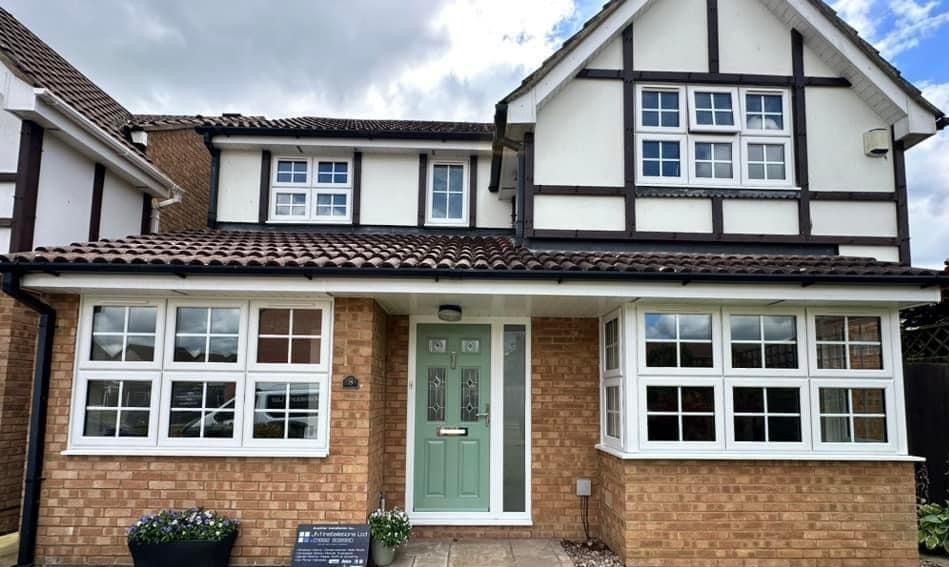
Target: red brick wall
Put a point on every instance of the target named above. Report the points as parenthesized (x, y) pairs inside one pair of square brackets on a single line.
[(775, 513), (89, 501), (17, 350), (377, 408), (182, 156), (612, 513)]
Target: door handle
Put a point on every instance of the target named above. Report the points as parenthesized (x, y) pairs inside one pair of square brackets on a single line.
[(486, 414)]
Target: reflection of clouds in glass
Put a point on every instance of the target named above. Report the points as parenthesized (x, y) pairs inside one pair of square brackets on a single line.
[(780, 328), (745, 328), (695, 327), (660, 326)]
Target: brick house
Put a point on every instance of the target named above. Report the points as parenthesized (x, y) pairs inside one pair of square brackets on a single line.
[(672, 266)]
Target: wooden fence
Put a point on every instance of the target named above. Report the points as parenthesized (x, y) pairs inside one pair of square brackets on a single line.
[(927, 410)]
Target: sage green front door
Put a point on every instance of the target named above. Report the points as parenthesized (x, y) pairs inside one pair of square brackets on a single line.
[(452, 421)]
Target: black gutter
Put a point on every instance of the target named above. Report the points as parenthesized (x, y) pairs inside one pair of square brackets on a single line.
[(215, 179), (38, 411), (497, 146), (942, 122), (54, 268), (326, 133)]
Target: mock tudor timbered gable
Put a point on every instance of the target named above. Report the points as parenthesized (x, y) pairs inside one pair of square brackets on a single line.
[(739, 124)]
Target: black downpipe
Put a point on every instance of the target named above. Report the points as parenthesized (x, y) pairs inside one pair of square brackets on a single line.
[(215, 177), (35, 445)]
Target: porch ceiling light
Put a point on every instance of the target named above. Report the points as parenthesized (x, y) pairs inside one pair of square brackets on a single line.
[(450, 313)]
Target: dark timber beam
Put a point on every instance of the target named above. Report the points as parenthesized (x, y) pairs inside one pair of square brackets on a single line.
[(629, 129), (357, 187), (740, 79), (711, 19), (528, 182), (263, 205), (902, 204), (422, 187), (146, 214), (799, 111), (95, 212), (472, 191), (27, 186)]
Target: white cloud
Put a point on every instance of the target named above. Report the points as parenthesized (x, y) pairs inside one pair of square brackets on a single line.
[(927, 170), (912, 21), (857, 14)]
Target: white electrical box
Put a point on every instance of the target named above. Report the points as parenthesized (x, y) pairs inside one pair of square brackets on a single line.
[(583, 487), (876, 142)]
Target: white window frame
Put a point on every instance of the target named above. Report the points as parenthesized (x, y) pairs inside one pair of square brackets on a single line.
[(785, 110), (268, 446), (746, 180), (276, 162), (716, 368), (735, 179), (802, 342), (886, 344), (327, 159), (800, 384), (893, 433), (683, 109), (312, 188), (84, 330), (694, 125), (683, 177), (326, 334), (165, 419), (171, 317), (681, 446), (430, 191), (78, 414), (610, 378)]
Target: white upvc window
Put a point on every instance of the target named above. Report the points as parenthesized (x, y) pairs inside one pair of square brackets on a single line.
[(611, 379), (311, 189), (766, 112), (714, 160), (767, 414), (448, 193), (854, 415), (850, 343), (713, 109), (660, 108), (764, 342), (198, 398), (679, 341), (681, 414), (767, 162), (663, 158)]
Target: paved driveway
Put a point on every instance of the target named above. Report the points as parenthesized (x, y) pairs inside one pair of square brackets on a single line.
[(483, 552)]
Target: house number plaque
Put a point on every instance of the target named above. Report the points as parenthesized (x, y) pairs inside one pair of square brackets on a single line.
[(331, 546)]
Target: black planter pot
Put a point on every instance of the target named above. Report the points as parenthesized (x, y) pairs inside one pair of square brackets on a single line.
[(182, 553)]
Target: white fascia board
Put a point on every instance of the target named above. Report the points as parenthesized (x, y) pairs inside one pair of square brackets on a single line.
[(921, 121), (291, 143), (523, 109), (892, 295), (55, 114), (568, 67)]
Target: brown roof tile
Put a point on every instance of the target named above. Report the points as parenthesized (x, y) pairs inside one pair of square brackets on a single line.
[(415, 254), (40, 65)]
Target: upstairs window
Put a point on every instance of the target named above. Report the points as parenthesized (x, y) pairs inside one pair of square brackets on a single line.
[(713, 109), (714, 160), (659, 108), (766, 111), (447, 196), (311, 190)]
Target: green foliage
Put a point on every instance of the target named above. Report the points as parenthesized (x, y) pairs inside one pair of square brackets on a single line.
[(934, 527), (196, 524), (390, 527)]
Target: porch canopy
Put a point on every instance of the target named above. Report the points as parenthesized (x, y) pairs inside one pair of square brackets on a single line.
[(486, 275)]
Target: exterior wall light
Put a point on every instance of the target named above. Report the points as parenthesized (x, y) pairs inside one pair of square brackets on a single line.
[(450, 313)]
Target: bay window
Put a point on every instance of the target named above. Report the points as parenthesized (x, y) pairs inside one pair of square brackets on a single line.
[(611, 378), (311, 189), (713, 136), (230, 377)]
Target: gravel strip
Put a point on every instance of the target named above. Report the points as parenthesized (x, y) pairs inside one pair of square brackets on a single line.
[(592, 553)]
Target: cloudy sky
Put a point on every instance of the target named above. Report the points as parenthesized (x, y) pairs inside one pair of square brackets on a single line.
[(435, 59)]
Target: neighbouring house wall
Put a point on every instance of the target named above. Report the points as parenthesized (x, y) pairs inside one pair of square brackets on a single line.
[(781, 513), (88, 502), (182, 156), (121, 208), (64, 200), (564, 427), (17, 349)]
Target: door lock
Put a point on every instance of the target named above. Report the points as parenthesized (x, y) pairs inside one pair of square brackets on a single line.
[(486, 414)]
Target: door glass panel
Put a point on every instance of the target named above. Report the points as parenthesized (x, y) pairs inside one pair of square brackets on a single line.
[(514, 422), (470, 382), (436, 394)]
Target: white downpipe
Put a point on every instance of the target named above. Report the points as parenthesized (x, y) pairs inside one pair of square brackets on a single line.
[(157, 206)]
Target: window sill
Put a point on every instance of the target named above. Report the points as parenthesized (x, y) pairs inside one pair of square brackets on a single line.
[(192, 452), (757, 456)]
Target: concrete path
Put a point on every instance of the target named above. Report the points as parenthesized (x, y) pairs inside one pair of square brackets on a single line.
[(8, 547), (483, 553)]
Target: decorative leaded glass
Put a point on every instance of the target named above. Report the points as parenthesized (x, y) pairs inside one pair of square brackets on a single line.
[(437, 345), (470, 383), (436, 394), (470, 345)]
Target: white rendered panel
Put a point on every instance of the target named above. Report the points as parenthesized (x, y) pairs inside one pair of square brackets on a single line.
[(121, 208), (672, 36), (239, 186), (674, 215), (64, 199), (389, 191), (853, 218), (752, 40), (579, 212), (882, 253), (766, 216)]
